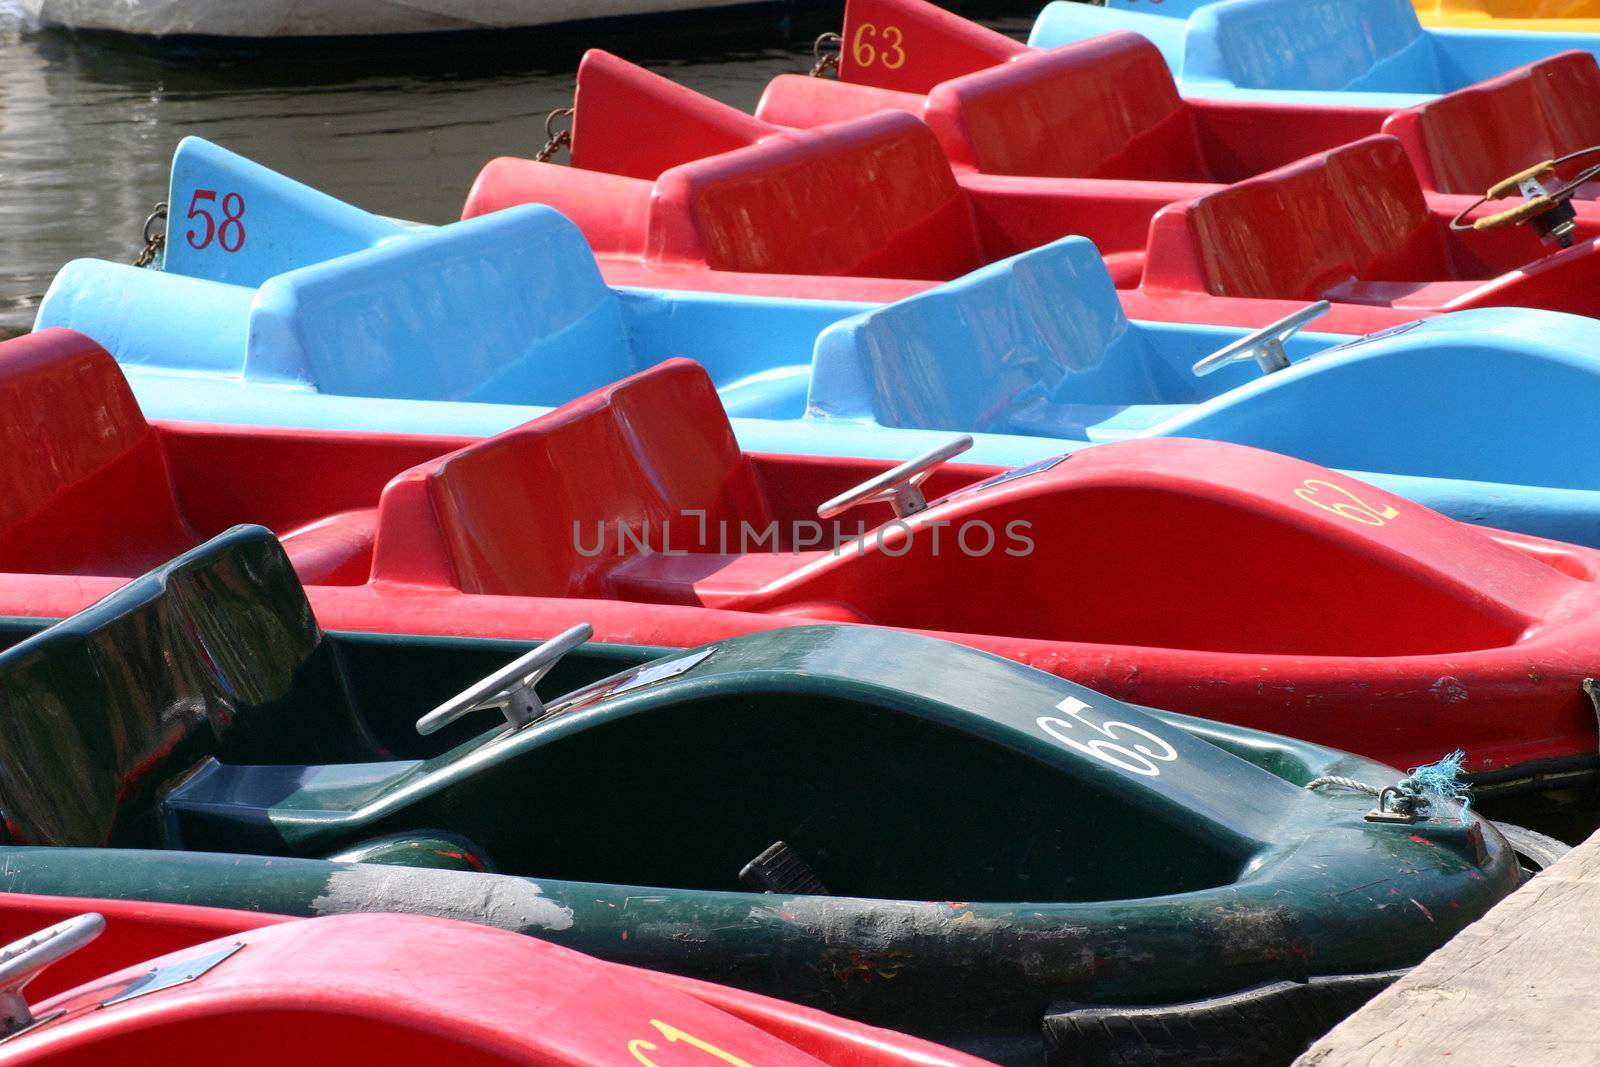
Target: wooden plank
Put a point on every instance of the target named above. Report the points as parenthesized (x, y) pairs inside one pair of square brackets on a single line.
[(1521, 986)]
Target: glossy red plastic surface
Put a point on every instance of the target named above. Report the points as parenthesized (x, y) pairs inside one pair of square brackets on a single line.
[(1353, 227), (406, 989), (1102, 108), (135, 931), (1470, 140), (666, 180), (91, 488), (676, 190), (1282, 596)]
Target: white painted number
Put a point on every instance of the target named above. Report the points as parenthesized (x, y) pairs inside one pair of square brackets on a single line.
[(1135, 759)]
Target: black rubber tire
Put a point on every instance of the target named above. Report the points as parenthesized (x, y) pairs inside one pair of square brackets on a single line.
[(1536, 851), (1266, 1026)]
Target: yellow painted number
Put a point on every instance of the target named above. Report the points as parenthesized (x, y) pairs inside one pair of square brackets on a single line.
[(865, 48), (639, 1046), (1350, 507)]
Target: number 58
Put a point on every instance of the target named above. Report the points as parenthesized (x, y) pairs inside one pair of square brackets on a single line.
[(229, 234)]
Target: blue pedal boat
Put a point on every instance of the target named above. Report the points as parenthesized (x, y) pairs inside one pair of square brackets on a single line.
[(1360, 53), (479, 326)]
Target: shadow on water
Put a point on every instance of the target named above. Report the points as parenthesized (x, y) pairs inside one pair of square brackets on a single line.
[(400, 126)]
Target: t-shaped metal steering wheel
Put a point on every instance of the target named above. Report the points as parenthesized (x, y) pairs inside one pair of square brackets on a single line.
[(24, 960), (1265, 346), (900, 488), (509, 689)]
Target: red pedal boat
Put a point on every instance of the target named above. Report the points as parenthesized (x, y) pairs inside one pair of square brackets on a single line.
[(1103, 110), (674, 189), (664, 179), (993, 106), (1198, 576), (400, 989)]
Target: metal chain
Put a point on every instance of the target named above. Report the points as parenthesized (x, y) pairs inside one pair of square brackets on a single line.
[(554, 141), (825, 62), (153, 242)]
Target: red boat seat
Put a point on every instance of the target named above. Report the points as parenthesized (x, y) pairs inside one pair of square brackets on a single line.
[(737, 211), (197, 659), (536, 511), (654, 175), (85, 488), (1466, 141), (1353, 213), (877, 193), (1125, 120)]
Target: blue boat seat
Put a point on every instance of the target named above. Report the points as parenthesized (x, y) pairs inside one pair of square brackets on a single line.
[(452, 314), (1035, 344), (208, 656), (467, 312), (1351, 45)]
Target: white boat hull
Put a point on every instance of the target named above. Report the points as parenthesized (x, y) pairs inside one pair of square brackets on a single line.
[(330, 18)]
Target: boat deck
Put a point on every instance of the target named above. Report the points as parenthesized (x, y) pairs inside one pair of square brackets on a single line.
[(1516, 987)]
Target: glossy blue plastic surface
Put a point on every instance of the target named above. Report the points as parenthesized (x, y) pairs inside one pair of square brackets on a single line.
[(479, 326), (1038, 345), (1362, 53)]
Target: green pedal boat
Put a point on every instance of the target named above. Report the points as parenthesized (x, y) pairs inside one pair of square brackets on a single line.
[(887, 826)]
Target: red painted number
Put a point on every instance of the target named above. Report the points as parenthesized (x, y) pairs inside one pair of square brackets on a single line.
[(229, 235)]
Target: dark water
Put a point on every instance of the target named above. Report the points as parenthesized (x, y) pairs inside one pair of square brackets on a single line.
[(87, 127)]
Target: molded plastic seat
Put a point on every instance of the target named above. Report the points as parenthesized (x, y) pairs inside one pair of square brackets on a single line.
[(1353, 226), (87, 488), (1471, 139), (214, 654), (1040, 338), (737, 211), (645, 453), (1371, 52)]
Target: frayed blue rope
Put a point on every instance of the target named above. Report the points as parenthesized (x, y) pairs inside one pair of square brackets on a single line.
[(1441, 783)]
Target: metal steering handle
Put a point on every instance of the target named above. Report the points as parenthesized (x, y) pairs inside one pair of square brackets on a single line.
[(509, 689), (900, 488), (1536, 204), (24, 960), (1265, 346)]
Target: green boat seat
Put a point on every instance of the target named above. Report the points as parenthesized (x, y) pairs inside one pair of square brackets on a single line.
[(95, 494), (216, 654)]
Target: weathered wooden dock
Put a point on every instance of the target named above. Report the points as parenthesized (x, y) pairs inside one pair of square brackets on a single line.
[(1518, 988)]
